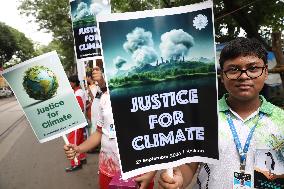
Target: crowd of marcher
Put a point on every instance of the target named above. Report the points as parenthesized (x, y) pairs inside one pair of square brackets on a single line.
[(245, 118), (96, 105)]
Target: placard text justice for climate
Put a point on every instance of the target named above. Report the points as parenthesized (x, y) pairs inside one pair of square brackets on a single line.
[(163, 100), (53, 114)]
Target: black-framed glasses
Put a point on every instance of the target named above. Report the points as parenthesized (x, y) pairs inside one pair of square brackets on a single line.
[(252, 72)]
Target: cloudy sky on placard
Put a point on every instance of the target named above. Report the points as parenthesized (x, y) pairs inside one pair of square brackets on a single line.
[(80, 9), (132, 42)]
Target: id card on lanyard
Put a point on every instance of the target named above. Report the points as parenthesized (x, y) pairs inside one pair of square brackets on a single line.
[(241, 180), (112, 134)]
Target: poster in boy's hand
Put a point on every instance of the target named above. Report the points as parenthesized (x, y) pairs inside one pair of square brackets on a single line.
[(83, 16), (43, 90), (160, 69)]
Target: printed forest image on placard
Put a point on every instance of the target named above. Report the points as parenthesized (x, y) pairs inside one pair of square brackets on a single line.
[(84, 12), (152, 68), (40, 83)]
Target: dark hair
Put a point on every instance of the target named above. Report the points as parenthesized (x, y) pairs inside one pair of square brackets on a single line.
[(242, 47), (89, 74), (74, 79)]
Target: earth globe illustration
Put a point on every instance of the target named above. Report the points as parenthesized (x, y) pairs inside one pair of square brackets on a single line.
[(40, 83)]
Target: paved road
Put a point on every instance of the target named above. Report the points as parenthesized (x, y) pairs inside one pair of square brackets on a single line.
[(27, 164)]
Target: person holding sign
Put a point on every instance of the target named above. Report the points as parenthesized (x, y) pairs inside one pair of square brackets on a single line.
[(92, 107), (77, 136), (247, 122), (104, 135)]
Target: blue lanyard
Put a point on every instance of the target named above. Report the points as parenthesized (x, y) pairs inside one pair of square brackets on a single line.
[(242, 152)]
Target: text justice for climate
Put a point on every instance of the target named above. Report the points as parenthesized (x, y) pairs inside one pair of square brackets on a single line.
[(54, 115), (164, 100)]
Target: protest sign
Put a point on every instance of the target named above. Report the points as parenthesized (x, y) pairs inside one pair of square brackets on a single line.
[(83, 15), (43, 91), (161, 73)]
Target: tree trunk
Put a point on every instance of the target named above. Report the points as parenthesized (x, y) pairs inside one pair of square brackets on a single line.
[(277, 49)]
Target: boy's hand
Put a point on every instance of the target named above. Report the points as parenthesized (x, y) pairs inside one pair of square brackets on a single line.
[(166, 182), (98, 76), (145, 179), (71, 150)]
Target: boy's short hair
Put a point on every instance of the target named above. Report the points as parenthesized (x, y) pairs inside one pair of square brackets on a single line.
[(242, 47), (74, 79)]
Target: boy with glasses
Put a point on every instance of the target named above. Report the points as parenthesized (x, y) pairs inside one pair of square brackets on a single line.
[(247, 124)]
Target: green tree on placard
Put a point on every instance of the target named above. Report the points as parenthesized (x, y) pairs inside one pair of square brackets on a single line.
[(14, 44)]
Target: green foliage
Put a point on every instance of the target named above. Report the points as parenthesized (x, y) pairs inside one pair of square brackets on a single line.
[(53, 16), (138, 5), (134, 5), (257, 17), (7, 44), (14, 43), (55, 45)]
